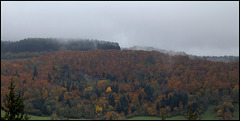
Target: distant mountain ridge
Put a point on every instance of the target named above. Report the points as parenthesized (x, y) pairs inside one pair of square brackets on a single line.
[(8, 48), (48, 44), (173, 53)]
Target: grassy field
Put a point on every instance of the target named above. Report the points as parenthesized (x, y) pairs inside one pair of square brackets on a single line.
[(209, 114), (2, 113), (157, 118), (32, 117), (144, 118), (177, 118)]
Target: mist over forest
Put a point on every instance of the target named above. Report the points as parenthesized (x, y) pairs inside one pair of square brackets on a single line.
[(8, 48), (117, 60), (47, 44)]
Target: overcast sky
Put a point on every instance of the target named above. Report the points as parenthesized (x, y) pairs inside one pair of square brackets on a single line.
[(199, 28)]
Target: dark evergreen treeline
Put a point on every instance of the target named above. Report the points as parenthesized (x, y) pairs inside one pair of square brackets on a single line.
[(48, 44)]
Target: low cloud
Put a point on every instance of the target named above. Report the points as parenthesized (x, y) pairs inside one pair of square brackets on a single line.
[(202, 28)]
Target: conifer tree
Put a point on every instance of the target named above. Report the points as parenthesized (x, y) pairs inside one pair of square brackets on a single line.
[(14, 106), (191, 115), (35, 73)]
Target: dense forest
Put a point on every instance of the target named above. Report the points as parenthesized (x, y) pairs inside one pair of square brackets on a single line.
[(170, 52), (118, 84), (33, 47), (216, 58)]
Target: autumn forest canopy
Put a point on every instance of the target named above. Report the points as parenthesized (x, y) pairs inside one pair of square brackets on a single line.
[(97, 80)]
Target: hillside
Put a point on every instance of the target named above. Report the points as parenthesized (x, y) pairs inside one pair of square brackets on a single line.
[(118, 84), (34, 47), (172, 53), (169, 52)]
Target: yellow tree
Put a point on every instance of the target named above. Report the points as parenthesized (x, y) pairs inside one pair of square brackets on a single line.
[(219, 113), (98, 110), (108, 90)]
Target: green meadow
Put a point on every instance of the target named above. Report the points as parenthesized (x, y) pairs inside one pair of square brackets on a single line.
[(33, 117), (157, 118), (209, 114)]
